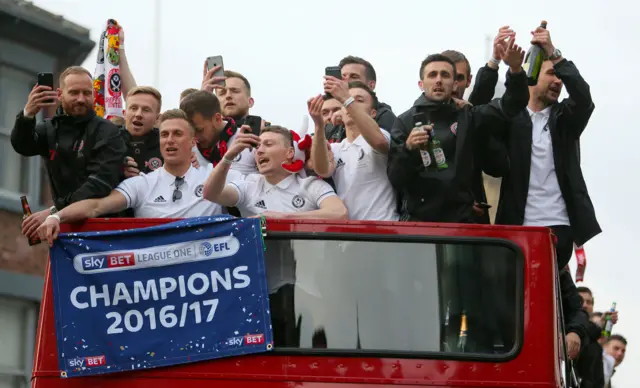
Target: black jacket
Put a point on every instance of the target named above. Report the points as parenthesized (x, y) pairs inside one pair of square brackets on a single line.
[(83, 155), (491, 155), (447, 196), (566, 123), (145, 149)]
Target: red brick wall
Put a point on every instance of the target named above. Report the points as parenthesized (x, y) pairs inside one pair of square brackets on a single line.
[(15, 253)]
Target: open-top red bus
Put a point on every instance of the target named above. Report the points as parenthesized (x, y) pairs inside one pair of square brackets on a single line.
[(378, 304)]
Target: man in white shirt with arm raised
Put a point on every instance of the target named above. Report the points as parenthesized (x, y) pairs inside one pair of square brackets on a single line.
[(275, 192), (358, 164), (175, 190)]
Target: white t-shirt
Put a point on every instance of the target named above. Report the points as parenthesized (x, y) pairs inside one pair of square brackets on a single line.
[(545, 204), (292, 194), (244, 163), (151, 195), (361, 180)]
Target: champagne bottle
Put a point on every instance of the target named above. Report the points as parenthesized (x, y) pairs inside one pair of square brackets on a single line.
[(462, 338), (608, 326), (533, 60), (436, 150), (26, 212)]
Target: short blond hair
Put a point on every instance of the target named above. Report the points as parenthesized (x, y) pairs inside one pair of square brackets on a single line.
[(176, 114), (73, 70), (187, 92), (149, 90), (282, 131)]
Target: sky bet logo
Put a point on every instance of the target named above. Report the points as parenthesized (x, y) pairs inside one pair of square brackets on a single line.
[(113, 260), (87, 362), (247, 340)]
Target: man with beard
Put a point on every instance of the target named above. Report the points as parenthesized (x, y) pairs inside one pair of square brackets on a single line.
[(83, 153), (215, 133), (235, 97), (445, 194), (545, 185), (175, 190)]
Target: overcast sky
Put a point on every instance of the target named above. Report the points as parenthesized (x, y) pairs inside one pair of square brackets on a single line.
[(283, 47)]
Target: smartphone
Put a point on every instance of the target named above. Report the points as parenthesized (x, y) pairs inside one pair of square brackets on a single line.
[(484, 205), (46, 79), (333, 71), (216, 61), (419, 118)]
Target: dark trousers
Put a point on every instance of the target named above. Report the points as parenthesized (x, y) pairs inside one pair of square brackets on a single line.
[(564, 246), (283, 317)]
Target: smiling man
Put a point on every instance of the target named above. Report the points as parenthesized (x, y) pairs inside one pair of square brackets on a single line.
[(174, 190), (275, 192)]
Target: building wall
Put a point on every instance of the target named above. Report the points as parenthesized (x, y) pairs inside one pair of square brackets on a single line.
[(22, 267)]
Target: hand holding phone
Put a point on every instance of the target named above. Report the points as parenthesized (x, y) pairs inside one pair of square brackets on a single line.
[(42, 95), (214, 74)]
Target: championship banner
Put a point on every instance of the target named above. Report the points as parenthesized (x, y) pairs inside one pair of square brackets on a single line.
[(182, 292)]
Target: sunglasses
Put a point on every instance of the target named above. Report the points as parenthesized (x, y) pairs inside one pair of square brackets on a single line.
[(177, 194)]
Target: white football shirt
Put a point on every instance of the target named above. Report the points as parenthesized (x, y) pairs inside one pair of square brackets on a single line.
[(361, 180), (292, 194), (151, 195)]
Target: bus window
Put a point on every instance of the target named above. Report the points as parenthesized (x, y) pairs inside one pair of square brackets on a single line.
[(395, 297)]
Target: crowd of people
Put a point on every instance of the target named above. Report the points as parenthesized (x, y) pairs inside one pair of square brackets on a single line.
[(211, 156)]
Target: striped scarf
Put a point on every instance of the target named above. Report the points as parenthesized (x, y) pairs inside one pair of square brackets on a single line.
[(108, 103)]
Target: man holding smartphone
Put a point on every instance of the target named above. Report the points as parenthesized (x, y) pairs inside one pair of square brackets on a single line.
[(83, 153)]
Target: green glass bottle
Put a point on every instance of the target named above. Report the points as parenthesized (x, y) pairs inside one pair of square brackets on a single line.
[(533, 61), (436, 150)]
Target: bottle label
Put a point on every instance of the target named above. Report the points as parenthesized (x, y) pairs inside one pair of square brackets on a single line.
[(426, 158), (439, 154)]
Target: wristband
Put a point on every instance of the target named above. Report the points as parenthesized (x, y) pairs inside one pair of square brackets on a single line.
[(349, 101), (226, 161), (494, 61), (57, 217), (53, 210), (121, 46)]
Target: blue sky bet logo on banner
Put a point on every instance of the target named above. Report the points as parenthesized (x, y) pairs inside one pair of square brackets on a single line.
[(182, 292)]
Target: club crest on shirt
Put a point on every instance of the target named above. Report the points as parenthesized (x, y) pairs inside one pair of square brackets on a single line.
[(154, 163), (361, 154), (454, 128), (237, 158), (198, 190), (298, 202)]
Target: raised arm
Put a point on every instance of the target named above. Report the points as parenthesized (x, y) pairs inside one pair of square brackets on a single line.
[(579, 106), (128, 80), (366, 124), (27, 137), (515, 98), (321, 157), (487, 77)]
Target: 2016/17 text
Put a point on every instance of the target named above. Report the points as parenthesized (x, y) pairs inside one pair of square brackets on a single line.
[(134, 320)]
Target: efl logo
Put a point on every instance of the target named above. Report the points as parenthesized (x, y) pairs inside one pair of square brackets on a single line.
[(124, 259), (87, 362)]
